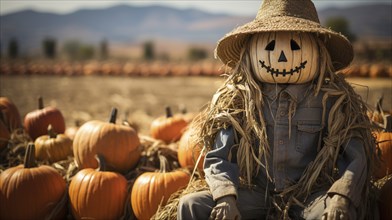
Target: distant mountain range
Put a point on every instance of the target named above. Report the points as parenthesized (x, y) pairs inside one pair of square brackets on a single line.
[(365, 20), (131, 24)]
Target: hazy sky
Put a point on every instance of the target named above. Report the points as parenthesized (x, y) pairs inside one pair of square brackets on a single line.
[(238, 7)]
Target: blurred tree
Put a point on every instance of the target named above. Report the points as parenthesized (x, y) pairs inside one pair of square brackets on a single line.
[(78, 51), (341, 25), (148, 50), (104, 49), (13, 48), (86, 52), (71, 49), (196, 54), (49, 47)]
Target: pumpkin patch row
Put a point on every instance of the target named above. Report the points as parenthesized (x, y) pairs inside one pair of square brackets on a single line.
[(205, 68), (109, 174), (376, 70), (143, 69)]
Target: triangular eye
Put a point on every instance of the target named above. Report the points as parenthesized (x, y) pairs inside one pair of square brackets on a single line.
[(270, 46), (294, 45)]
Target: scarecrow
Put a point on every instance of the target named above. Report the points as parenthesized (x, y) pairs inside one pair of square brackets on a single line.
[(286, 135)]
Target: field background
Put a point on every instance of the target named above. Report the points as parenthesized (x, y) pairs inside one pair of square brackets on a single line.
[(138, 99), (92, 97)]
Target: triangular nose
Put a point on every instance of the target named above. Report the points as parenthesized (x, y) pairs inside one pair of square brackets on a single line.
[(282, 57)]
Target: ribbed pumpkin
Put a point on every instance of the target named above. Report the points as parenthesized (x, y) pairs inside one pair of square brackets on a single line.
[(36, 122), (53, 147), (189, 150), (31, 192), (284, 57), (119, 144), (97, 194), (10, 114), (385, 200), (384, 139), (154, 188), (168, 128)]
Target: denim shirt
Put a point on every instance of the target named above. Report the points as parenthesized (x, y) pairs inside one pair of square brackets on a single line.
[(293, 146)]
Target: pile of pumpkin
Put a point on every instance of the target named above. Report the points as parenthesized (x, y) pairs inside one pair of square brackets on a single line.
[(103, 170), (382, 120), (374, 70)]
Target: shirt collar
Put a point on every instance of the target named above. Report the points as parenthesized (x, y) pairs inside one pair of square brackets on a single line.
[(297, 92)]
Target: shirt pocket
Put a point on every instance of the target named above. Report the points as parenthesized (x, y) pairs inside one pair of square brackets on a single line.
[(307, 138)]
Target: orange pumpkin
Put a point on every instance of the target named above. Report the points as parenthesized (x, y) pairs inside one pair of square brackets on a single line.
[(189, 151), (385, 200), (31, 192), (97, 194), (53, 147), (119, 144), (10, 114), (384, 140), (152, 189), (168, 128), (36, 122)]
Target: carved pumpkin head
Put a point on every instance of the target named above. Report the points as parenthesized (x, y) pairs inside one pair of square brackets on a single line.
[(284, 57)]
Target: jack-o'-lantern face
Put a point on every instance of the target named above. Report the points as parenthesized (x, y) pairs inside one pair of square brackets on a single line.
[(284, 57)]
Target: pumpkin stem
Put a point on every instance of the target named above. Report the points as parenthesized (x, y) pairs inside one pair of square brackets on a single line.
[(388, 123), (51, 132), (163, 163), (113, 116), (183, 109), (101, 162), (169, 113), (379, 105), (29, 160), (40, 102)]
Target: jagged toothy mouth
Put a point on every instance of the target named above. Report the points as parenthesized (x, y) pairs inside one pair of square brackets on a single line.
[(284, 72)]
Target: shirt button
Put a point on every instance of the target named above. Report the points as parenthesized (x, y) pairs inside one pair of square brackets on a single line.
[(281, 141), (281, 113)]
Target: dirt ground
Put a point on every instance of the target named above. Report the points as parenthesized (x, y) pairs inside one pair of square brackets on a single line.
[(143, 99)]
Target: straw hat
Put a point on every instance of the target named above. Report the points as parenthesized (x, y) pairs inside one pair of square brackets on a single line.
[(285, 15)]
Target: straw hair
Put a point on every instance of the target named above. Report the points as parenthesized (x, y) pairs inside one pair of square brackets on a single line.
[(285, 15)]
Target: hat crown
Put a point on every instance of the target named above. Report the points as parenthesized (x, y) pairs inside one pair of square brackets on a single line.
[(304, 9)]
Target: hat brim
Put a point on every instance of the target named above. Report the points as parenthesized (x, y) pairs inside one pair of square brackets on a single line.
[(339, 47)]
